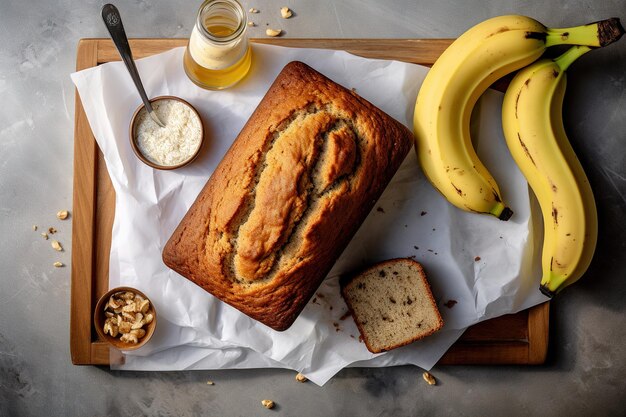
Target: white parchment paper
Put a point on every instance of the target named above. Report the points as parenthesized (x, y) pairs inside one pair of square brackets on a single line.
[(488, 266)]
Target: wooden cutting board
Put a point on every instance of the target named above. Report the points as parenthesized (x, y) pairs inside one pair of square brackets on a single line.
[(520, 338)]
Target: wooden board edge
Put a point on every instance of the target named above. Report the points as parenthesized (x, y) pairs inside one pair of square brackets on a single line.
[(509, 353), (538, 333), (103, 354), (368, 48), (83, 212)]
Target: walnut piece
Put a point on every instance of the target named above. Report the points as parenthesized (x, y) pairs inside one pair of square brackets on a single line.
[(285, 12), (301, 378), (56, 245), (269, 404), (253, 10), (429, 378), (58, 264), (273, 32)]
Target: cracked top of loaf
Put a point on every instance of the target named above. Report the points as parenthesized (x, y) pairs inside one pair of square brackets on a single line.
[(288, 196)]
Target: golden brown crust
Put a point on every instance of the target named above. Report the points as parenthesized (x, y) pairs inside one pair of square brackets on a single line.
[(288, 196), (345, 286)]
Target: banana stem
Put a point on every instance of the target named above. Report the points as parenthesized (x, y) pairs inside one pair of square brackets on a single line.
[(571, 55), (601, 33)]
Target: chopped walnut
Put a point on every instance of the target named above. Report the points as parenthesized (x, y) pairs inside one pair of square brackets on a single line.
[(268, 404), (273, 32), (429, 378), (285, 12), (127, 314)]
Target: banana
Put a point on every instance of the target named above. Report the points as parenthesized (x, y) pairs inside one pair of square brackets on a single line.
[(533, 128), (451, 88)]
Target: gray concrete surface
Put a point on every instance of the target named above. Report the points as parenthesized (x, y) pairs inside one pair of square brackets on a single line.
[(585, 371)]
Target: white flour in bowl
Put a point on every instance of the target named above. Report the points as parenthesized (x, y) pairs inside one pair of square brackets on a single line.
[(173, 144)]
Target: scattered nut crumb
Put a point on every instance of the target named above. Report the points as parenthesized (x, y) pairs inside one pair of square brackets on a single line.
[(269, 404), (416, 248), (253, 10), (285, 12), (423, 213), (450, 303), (210, 383), (52, 230), (56, 245), (301, 378), (44, 235), (380, 209), (58, 264), (429, 378), (62, 215), (251, 23), (345, 315), (273, 32), (476, 259), (34, 227)]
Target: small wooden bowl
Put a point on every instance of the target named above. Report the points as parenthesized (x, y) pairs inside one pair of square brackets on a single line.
[(99, 319), (142, 157)]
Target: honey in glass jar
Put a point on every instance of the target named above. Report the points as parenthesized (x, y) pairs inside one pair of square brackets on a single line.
[(218, 54)]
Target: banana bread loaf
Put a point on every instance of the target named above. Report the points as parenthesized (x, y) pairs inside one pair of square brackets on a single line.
[(288, 196)]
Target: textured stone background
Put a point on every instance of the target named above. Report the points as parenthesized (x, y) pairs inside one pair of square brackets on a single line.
[(585, 371)]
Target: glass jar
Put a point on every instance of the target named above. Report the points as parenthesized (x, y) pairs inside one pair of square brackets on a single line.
[(218, 54)]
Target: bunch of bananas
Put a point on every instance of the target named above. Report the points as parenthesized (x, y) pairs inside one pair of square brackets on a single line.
[(533, 127)]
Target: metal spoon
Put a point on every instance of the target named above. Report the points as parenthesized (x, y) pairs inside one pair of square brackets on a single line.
[(113, 22)]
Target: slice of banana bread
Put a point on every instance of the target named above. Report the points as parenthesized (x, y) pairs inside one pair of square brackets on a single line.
[(392, 304)]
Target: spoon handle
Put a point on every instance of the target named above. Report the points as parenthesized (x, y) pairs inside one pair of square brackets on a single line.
[(113, 23)]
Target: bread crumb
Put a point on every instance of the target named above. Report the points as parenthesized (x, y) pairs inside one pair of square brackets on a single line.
[(450, 303), (345, 315), (380, 209), (423, 213), (476, 259)]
